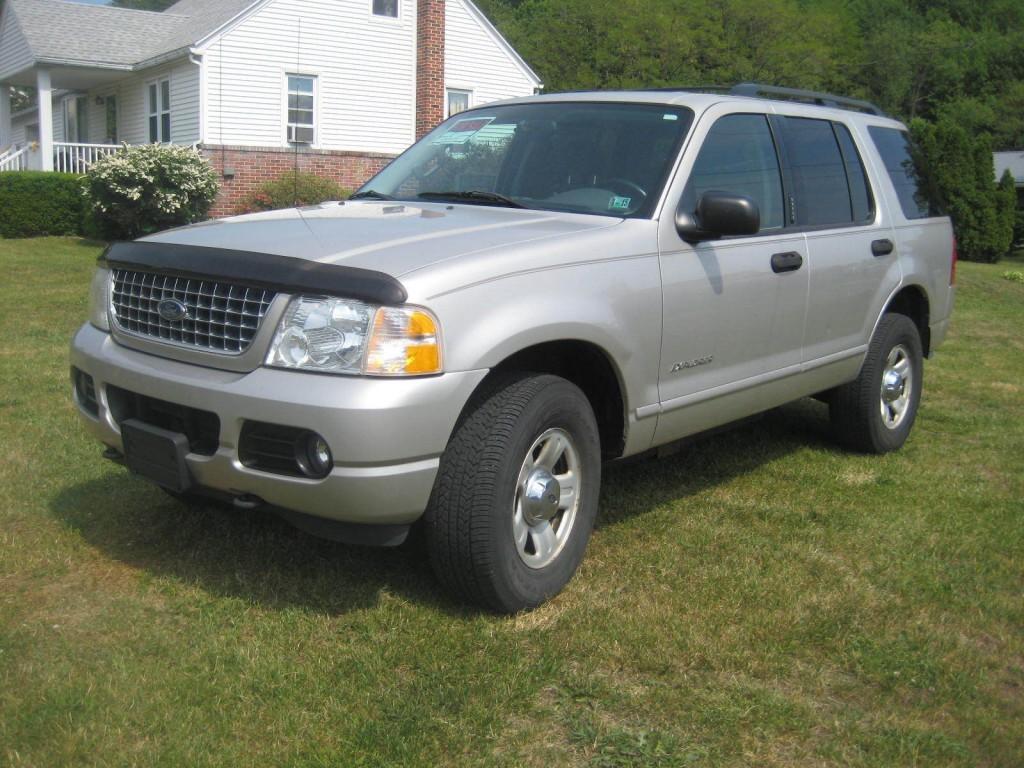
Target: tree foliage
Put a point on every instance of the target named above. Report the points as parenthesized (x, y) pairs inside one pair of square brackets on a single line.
[(960, 166), (955, 67), (955, 58)]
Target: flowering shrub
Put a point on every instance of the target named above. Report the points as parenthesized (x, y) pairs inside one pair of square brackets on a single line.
[(293, 189), (144, 189)]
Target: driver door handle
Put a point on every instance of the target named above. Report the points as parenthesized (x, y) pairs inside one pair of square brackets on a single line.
[(786, 262)]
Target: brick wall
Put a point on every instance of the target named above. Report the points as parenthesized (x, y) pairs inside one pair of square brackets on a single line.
[(429, 65), (252, 166)]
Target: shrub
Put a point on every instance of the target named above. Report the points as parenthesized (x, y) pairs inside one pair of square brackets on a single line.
[(33, 204), (147, 188), (960, 165), (294, 189), (1014, 276)]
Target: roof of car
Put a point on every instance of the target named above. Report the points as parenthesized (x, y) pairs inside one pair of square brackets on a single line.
[(699, 101)]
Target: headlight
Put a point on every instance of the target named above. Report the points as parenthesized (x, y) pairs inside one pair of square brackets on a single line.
[(319, 333), (99, 299)]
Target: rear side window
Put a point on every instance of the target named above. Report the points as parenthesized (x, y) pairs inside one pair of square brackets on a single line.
[(819, 173), (738, 156), (912, 189), (860, 192)]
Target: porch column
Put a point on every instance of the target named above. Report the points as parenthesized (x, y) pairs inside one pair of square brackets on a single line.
[(5, 115), (45, 118)]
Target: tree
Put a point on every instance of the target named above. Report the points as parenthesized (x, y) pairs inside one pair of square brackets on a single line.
[(960, 166)]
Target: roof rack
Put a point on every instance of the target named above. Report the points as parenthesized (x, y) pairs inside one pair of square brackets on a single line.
[(759, 91)]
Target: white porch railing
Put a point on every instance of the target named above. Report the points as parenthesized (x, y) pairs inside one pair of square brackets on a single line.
[(16, 160), (76, 158)]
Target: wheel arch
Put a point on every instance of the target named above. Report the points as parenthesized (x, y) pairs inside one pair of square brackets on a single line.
[(912, 301), (591, 368)]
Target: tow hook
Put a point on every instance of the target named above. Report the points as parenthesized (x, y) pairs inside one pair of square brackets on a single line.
[(247, 501)]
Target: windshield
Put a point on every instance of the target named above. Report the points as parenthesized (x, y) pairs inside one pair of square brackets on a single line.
[(610, 159)]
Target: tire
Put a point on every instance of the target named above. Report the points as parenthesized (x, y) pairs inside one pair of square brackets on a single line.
[(495, 538), (875, 412)]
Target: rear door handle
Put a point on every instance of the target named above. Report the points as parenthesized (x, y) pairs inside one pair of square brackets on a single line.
[(882, 247), (786, 262)]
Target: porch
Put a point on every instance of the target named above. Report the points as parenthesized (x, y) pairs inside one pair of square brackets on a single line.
[(67, 157)]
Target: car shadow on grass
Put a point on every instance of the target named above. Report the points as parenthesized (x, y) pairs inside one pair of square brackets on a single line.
[(257, 557)]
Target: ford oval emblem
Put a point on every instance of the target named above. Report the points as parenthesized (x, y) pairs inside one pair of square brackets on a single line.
[(172, 310)]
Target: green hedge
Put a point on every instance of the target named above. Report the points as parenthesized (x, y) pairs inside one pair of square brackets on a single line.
[(33, 204)]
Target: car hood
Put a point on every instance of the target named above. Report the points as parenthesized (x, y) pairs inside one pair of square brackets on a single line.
[(391, 237)]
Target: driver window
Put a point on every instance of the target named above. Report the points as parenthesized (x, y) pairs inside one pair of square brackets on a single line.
[(738, 156)]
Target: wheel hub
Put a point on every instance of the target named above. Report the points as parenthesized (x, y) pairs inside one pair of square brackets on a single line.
[(893, 385), (547, 498), (540, 496), (897, 387)]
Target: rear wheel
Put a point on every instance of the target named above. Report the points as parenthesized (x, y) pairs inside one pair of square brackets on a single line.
[(516, 494), (875, 412)]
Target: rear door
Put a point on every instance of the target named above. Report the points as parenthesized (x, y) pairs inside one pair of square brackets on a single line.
[(851, 247)]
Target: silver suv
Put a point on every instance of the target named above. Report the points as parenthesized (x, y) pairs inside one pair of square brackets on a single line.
[(534, 288)]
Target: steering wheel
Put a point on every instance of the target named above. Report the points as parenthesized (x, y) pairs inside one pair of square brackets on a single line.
[(617, 184)]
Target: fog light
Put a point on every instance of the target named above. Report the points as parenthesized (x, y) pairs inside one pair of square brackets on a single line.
[(313, 455)]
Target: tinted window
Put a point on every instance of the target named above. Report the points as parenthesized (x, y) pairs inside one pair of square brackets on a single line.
[(738, 156), (819, 177), (860, 192), (911, 189)]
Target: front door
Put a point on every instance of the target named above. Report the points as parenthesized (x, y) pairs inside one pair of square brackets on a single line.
[(733, 312)]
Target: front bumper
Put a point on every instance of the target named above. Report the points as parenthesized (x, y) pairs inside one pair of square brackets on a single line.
[(386, 435)]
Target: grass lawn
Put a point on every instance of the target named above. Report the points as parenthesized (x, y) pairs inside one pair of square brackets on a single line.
[(762, 598)]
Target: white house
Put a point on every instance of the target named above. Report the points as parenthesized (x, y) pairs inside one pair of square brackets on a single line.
[(336, 87)]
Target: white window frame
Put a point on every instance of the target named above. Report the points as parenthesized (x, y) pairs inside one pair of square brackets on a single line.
[(382, 17), (467, 92), (159, 108), (316, 110)]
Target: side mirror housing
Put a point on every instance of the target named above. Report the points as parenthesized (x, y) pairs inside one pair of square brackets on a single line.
[(718, 214)]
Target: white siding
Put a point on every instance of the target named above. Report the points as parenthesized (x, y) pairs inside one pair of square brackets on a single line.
[(133, 109), (365, 68), (14, 52), (476, 60), (18, 125)]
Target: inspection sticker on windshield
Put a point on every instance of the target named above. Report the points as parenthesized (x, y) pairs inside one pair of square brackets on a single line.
[(463, 130), (619, 203)]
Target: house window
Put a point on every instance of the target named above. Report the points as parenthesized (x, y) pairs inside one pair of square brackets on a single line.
[(301, 109), (388, 8), (458, 101), (159, 101)]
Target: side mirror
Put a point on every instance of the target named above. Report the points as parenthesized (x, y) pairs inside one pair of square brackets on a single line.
[(718, 214)]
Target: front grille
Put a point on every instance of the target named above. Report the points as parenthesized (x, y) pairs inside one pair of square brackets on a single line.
[(220, 317), (202, 428)]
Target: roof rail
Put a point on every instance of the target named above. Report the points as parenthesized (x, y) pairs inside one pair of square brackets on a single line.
[(759, 91)]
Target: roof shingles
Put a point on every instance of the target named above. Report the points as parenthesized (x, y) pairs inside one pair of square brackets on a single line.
[(61, 31)]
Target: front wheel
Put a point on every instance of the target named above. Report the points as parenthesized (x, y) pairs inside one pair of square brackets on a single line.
[(516, 494), (875, 412)]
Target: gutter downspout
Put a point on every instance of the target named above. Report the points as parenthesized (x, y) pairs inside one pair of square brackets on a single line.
[(197, 59)]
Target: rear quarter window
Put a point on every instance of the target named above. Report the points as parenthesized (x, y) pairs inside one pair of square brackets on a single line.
[(917, 197)]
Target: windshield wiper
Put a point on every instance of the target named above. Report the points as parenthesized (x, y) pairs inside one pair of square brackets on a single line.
[(474, 195), (371, 193)]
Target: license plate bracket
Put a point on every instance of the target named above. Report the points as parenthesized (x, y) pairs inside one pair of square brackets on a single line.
[(156, 454)]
